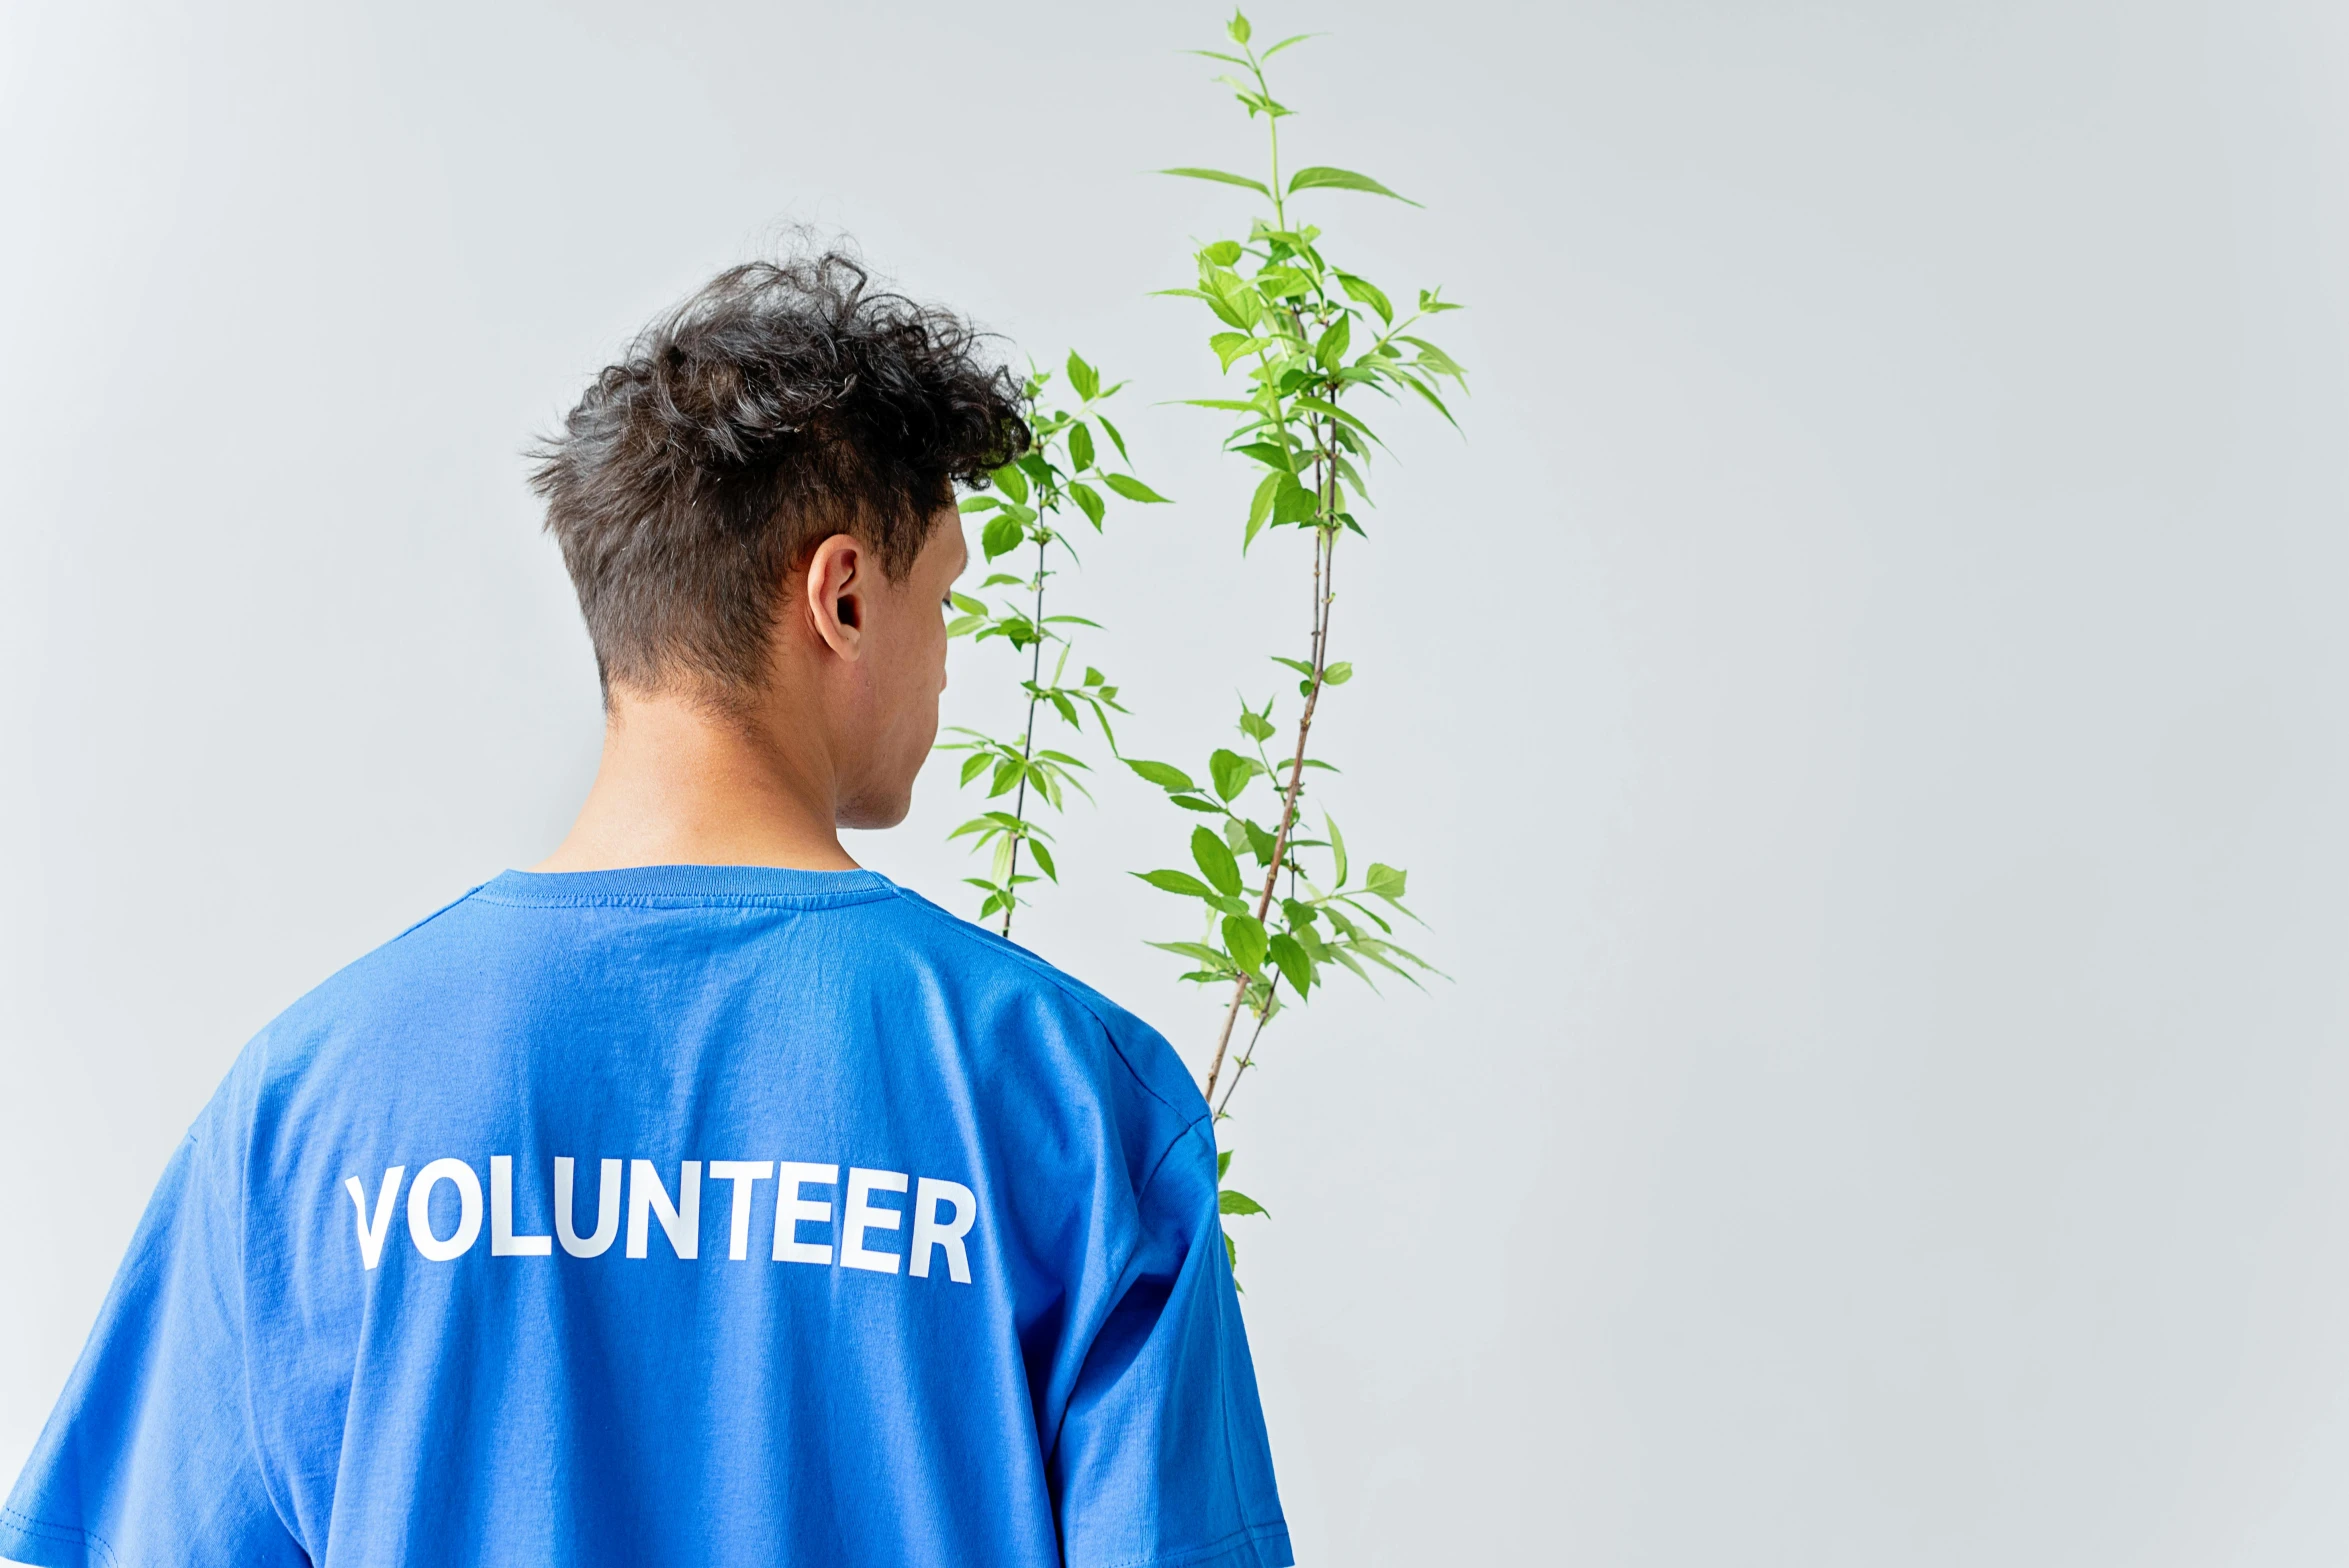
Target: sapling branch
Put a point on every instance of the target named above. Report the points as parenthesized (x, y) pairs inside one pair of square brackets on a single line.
[(1061, 470), (1286, 320)]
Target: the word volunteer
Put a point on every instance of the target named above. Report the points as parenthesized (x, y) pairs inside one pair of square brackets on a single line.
[(943, 1213)]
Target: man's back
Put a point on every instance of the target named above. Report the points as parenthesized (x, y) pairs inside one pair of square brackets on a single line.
[(678, 1214)]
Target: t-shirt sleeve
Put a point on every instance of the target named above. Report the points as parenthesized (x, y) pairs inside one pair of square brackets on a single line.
[(1162, 1458), (148, 1457)]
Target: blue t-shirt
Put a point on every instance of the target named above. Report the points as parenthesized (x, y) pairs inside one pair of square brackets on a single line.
[(685, 1214)]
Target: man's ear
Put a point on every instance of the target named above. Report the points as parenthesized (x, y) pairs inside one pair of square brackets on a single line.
[(838, 575)]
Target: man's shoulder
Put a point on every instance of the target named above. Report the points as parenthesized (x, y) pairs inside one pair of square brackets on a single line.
[(956, 941), (1016, 973), (367, 997)]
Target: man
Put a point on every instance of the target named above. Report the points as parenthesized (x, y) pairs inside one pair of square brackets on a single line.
[(697, 1197)]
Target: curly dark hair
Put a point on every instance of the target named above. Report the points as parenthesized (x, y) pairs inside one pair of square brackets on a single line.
[(785, 402)]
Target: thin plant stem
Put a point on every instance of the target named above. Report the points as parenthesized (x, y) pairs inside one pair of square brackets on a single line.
[(1324, 562), (1248, 1054), (1272, 126), (1019, 809)]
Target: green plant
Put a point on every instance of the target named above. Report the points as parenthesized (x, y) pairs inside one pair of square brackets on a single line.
[(1313, 341), (1061, 470)]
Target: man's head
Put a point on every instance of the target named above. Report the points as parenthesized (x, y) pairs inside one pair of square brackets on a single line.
[(756, 508)]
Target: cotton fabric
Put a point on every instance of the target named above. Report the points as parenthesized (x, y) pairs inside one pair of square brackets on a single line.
[(886, 1243)]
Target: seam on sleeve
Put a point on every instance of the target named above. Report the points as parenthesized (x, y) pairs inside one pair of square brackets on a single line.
[(1142, 1191), (1125, 1259), (63, 1534), (1189, 1557), (436, 914), (1156, 1166)]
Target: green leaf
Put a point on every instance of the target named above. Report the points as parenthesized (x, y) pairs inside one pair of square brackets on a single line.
[(1163, 774), (1002, 536), (1221, 178), (1338, 674), (1294, 38), (1131, 488), (1197, 951), (1436, 359), (1011, 481), (1323, 177), (1043, 858), (1364, 292), (1255, 726), (1238, 28), (1088, 501), (1337, 849), (1332, 411), (979, 503), (1229, 346), (1231, 772), (1283, 283), (1230, 1201), (1084, 378), (1292, 502), (1331, 350), (1215, 858), (1223, 253), (972, 766), (1115, 439), (1230, 308), (1223, 1162), (1179, 882), (1385, 881), (1080, 446), (1260, 843), (1290, 958), (1244, 936), (967, 605), (1260, 509)]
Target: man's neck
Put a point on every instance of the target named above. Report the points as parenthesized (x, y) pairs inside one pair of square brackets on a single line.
[(679, 785)]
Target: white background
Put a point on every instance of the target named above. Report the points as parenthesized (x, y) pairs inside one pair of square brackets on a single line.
[(1863, 707)]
